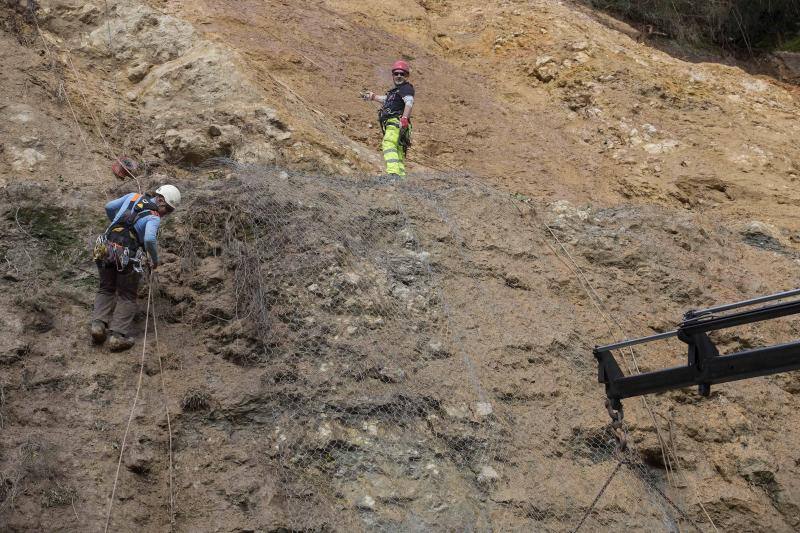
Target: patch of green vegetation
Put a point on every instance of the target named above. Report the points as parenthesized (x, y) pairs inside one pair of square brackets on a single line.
[(744, 25), (47, 225), (792, 45)]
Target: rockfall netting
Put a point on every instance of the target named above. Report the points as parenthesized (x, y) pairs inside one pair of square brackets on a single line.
[(416, 371)]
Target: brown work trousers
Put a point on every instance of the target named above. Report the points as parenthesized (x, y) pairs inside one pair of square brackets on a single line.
[(115, 303)]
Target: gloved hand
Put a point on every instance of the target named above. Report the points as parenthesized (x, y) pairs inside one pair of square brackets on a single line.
[(403, 122), (367, 95)]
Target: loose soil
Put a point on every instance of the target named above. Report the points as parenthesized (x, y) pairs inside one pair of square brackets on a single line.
[(341, 352)]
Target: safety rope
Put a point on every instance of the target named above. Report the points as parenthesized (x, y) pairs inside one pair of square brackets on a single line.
[(152, 280), (595, 299), (110, 153), (66, 95), (133, 407), (165, 399), (116, 91), (599, 494), (608, 318)]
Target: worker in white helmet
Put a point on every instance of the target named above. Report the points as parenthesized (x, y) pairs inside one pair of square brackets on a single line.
[(119, 253)]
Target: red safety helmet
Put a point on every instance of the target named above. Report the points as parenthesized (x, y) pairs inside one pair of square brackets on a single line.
[(402, 66)]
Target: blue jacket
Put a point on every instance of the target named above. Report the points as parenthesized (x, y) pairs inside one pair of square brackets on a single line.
[(146, 227)]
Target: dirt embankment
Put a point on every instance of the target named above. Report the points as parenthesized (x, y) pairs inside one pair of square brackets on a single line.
[(343, 353)]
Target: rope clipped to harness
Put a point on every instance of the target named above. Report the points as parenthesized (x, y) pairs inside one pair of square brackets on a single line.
[(113, 253)]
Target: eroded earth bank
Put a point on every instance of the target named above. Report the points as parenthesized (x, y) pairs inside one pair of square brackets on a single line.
[(340, 352)]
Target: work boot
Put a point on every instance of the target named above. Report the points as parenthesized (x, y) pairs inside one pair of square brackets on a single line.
[(98, 331), (118, 343)]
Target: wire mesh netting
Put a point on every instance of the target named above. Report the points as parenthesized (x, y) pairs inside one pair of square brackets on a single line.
[(413, 373)]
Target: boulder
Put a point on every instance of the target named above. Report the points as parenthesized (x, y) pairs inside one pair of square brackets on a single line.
[(761, 235), (546, 69), (788, 64), (193, 147), (25, 159), (579, 46)]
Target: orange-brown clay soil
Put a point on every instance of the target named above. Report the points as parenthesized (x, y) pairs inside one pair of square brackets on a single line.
[(341, 352)]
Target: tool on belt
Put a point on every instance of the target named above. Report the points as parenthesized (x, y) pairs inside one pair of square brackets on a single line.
[(405, 133), (119, 245)]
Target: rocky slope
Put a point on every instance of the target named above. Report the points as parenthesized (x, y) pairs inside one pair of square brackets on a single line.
[(342, 353)]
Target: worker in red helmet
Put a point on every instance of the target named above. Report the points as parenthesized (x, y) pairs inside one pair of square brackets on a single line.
[(395, 118)]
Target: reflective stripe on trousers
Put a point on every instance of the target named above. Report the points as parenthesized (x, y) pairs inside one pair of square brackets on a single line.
[(393, 153)]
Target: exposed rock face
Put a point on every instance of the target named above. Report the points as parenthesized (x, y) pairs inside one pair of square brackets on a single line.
[(166, 74), (789, 65), (342, 353), (188, 82)]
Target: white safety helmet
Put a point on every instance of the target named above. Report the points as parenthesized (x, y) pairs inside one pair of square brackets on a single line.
[(171, 195)]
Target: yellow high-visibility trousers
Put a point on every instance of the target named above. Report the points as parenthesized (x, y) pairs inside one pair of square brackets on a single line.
[(393, 153)]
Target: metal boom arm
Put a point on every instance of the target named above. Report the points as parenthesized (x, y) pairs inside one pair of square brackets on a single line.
[(705, 365)]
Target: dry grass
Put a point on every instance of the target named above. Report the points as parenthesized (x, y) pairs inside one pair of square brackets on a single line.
[(196, 400), (59, 495), (33, 461)]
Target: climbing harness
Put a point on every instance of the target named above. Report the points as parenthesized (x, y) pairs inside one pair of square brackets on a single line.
[(119, 245), (405, 133), (392, 107)]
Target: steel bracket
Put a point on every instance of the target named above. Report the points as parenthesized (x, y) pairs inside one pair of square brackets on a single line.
[(705, 366)]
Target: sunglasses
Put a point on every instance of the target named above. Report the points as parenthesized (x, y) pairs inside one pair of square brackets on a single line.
[(399, 74)]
